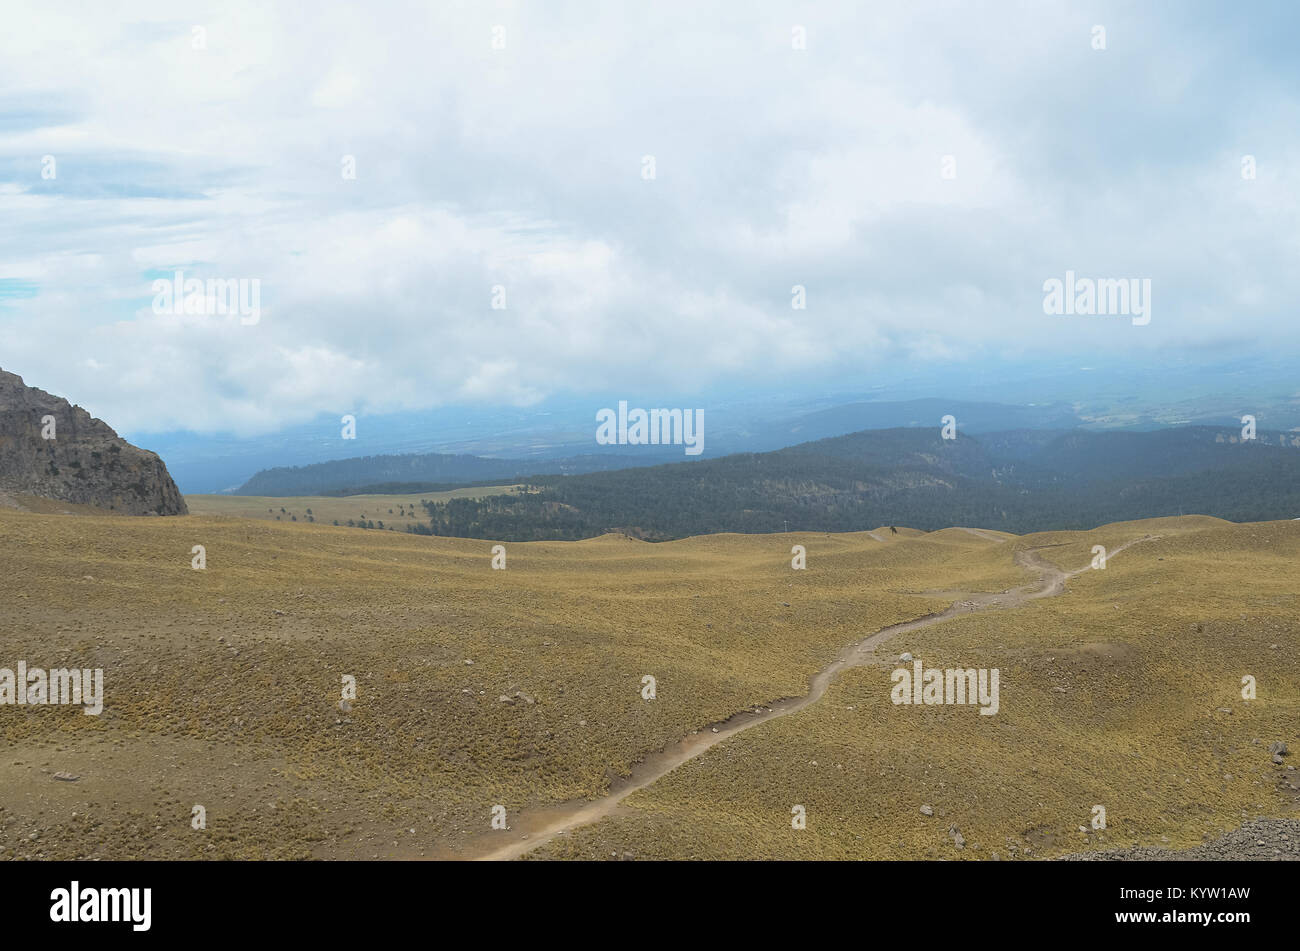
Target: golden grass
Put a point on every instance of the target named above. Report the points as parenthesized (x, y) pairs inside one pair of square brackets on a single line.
[(1110, 695), (397, 512), (241, 664)]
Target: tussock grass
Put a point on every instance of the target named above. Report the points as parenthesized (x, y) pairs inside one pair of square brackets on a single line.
[(221, 688), (1110, 694)]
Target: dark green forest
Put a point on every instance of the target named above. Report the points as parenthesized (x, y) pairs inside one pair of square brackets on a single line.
[(1017, 482)]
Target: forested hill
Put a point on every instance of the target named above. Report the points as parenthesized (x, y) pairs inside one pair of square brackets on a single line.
[(1017, 481), (415, 472)]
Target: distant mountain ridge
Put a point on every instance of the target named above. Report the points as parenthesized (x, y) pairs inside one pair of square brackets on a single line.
[(1019, 481), (573, 451), (54, 450), (418, 472)]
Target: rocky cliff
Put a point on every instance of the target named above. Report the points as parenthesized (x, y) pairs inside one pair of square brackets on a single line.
[(52, 449)]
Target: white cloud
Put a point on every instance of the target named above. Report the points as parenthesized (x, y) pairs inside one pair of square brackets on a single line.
[(521, 167)]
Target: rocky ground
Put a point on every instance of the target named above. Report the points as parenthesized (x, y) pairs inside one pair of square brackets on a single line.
[(1260, 840)]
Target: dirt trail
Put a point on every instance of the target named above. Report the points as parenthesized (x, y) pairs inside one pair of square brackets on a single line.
[(541, 825)]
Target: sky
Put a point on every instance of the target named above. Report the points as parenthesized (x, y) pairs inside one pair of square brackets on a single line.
[(920, 170)]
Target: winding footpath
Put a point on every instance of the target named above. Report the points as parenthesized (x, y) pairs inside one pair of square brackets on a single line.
[(536, 827)]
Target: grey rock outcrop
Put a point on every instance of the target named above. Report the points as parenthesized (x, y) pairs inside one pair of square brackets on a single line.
[(86, 463)]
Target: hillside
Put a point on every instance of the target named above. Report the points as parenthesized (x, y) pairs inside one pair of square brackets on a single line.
[(52, 450), (1019, 482), (522, 688), (424, 472), (386, 512), (1124, 692)]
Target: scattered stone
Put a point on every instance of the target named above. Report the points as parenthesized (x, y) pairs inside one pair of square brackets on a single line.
[(927, 810), (1278, 748), (905, 656), (67, 777), (1255, 840)]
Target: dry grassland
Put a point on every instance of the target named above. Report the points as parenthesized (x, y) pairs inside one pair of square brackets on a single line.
[(221, 689)]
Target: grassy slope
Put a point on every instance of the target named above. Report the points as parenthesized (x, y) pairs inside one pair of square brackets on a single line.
[(215, 698), (1110, 695), (202, 673), (328, 509)]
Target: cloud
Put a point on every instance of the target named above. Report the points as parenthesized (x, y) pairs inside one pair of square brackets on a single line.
[(522, 168)]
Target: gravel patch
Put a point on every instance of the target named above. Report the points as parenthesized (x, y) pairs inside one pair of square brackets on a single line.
[(1260, 840)]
